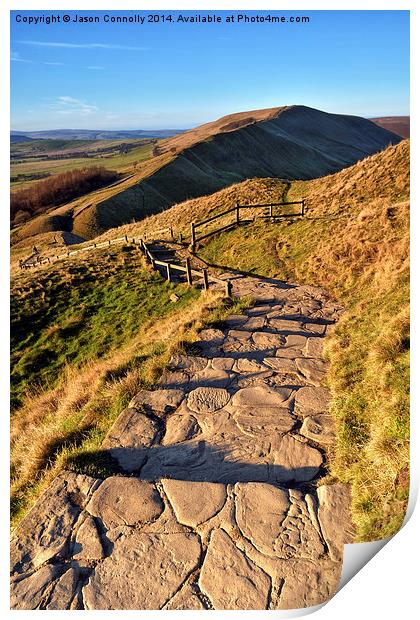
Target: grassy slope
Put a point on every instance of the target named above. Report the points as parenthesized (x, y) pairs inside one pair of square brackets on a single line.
[(120, 162), (291, 142), (354, 241), (86, 337), (62, 316)]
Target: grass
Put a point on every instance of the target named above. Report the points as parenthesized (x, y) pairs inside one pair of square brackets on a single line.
[(119, 162), (354, 242), (100, 333), (76, 315)]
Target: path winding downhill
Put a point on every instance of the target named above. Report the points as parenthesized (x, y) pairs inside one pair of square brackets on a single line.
[(217, 504)]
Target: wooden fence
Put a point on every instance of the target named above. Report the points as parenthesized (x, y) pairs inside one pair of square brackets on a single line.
[(28, 262), (270, 212), (171, 268)]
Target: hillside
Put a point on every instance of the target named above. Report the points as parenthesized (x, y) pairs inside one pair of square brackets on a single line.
[(293, 142), (397, 124), (354, 241), (92, 134), (87, 333)]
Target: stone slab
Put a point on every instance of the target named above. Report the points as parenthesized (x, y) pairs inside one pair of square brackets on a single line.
[(312, 400), (129, 437), (194, 502), (313, 370), (230, 579), (125, 501), (144, 571), (319, 428), (45, 532), (207, 399), (294, 461), (334, 514), (160, 401), (261, 396)]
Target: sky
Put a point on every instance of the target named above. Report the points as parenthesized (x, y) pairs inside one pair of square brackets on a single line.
[(173, 75)]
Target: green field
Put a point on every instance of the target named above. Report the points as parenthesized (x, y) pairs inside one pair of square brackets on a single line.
[(74, 316), (113, 160)]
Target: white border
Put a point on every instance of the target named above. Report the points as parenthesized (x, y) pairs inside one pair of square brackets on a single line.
[(387, 586)]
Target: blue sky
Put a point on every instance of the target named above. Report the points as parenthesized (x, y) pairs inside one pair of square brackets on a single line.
[(173, 75)]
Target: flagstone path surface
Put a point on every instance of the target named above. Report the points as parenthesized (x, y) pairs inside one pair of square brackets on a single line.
[(217, 504)]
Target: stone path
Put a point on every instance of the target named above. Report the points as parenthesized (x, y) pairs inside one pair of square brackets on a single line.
[(217, 504)]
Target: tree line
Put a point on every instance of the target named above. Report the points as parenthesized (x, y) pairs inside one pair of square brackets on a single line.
[(59, 189)]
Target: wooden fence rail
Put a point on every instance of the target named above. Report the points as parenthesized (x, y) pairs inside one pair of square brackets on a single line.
[(196, 236), (170, 268), (202, 274), (34, 260)]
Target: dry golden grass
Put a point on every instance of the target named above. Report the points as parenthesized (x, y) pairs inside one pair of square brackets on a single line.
[(181, 215), (355, 242), (231, 122)]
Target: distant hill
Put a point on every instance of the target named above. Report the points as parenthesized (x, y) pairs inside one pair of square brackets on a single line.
[(291, 142), (398, 124), (91, 134), (20, 137)]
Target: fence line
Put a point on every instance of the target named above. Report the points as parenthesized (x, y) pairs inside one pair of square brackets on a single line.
[(150, 257), (49, 259), (202, 274), (195, 236), (171, 267)]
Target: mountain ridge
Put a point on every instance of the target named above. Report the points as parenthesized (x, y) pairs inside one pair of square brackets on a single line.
[(289, 142)]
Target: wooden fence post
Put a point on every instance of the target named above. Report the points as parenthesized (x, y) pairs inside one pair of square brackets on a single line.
[(271, 210), (237, 213), (303, 207), (168, 272), (126, 238), (228, 288), (206, 279), (188, 267), (180, 238), (172, 233), (193, 237)]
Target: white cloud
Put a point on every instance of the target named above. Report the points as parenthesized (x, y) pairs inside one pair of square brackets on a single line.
[(105, 46), (54, 64), (95, 67), (69, 105), (16, 57)]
